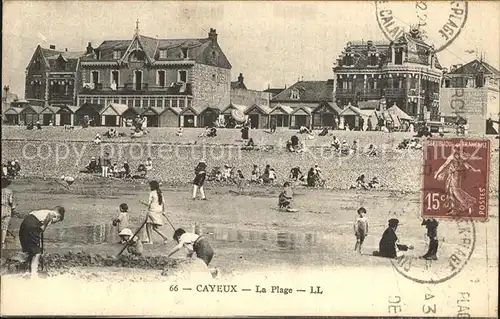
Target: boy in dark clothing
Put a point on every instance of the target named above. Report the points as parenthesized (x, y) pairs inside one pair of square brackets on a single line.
[(199, 179), (295, 174), (431, 225)]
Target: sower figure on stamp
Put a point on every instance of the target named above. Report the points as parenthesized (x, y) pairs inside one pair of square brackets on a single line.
[(389, 242), (451, 172), (431, 225)]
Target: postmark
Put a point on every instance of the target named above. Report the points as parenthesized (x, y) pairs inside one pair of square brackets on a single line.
[(440, 22), (455, 179), (456, 240)]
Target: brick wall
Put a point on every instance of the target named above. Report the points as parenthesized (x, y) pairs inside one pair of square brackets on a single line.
[(211, 86)]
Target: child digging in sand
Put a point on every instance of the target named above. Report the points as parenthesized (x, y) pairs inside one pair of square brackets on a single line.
[(360, 229), (194, 243), (121, 222), (134, 244)]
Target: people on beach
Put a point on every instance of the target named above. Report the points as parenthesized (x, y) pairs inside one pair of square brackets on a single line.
[(134, 245), (389, 243), (195, 245), (105, 164), (156, 208), (7, 208), (200, 172), (122, 221), (360, 228), (285, 197), (431, 225), (31, 233)]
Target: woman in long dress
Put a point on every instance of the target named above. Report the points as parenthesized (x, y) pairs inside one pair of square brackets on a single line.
[(457, 200), (156, 208)]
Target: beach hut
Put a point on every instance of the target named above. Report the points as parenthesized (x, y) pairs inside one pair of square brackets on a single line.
[(112, 114), (169, 117), (324, 115), (49, 115), (30, 114), (208, 117), (301, 116), (153, 115), (226, 113), (12, 116), (189, 117), (259, 115), (90, 111), (281, 113), (66, 115), (356, 118)]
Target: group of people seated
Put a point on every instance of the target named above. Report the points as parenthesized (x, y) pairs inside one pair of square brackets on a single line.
[(112, 133), (209, 132), (343, 148), (226, 174), (294, 145), (94, 166), (361, 183), (410, 143), (32, 126), (314, 176), (11, 169)]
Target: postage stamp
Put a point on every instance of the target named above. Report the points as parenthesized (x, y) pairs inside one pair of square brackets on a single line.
[(455, 179), (440, 24)]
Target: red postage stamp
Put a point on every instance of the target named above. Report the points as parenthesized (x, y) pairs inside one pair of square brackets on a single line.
[(455, 179)]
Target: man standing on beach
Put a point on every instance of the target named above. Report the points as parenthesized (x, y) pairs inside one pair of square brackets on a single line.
[(7, 208)]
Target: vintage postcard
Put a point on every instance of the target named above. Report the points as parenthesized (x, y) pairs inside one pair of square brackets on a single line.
[(248, 158)]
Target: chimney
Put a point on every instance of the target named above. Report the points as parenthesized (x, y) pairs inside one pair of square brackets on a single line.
[(52, 47), (65, 49), (89, 48), (212, 35), (240, 78)]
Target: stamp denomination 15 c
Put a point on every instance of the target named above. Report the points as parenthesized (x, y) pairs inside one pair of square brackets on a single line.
[(455, 179)]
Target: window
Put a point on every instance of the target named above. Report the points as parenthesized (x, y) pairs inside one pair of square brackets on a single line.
[(182, 104), (160, 78), (37, 65), (95, 77), (137, 55), (130, 103), (117, 54), (163, 54), (145, 103), (398, 57), (184, 53), (152, 103), (160, 103), (373, 60), (174, 103), (116, 100), (294, 95), (115, 77), (137, 103), (182, 76)]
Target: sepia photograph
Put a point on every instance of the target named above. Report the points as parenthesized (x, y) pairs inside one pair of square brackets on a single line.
[(250, 158)]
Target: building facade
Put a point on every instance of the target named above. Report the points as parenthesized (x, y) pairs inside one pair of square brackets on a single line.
[(241, 95), (405, 72), (471, 92), (161, 73), (51, 77)]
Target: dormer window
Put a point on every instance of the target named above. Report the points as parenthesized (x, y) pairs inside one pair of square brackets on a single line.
[(36, 64), (163, 54), (294, 95), (184, 53), (348, 60), (117, 54), (373, 59), (398, 58), (137, 55)]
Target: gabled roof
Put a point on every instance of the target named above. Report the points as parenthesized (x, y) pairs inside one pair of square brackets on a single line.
[(35, 108), (50, 58), (306, 109), (154, 110), (13, 110), (332, 105), (50, 109), (351, 109), (309, 91), (196, 110), (284, 108), (201, 50), (94, 107), (263, 108), (476, 67), (239, 107), (119, 109), (274, 91)]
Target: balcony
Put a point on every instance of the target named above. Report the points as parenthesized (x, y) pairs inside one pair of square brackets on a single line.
[(395, 92), (141, 89), (345, 92), (372, 93)]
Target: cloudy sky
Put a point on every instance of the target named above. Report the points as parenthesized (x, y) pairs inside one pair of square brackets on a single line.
[(271, 43)]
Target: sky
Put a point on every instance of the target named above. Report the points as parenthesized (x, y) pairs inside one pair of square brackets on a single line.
[(272, 43)]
